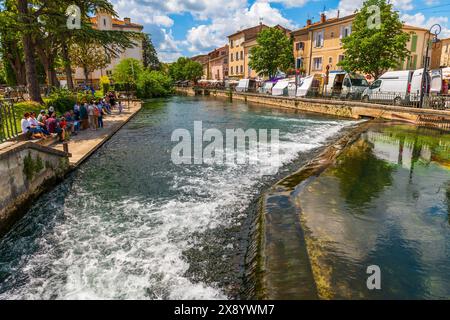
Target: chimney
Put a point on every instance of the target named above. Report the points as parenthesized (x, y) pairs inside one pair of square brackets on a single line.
[(308, 22), (338, 14), (323, 18), (127, 20)]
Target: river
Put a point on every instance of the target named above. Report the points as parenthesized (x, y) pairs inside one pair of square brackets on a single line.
[(130, 224)]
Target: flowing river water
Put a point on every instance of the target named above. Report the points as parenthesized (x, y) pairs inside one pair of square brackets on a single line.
[(130, 224)]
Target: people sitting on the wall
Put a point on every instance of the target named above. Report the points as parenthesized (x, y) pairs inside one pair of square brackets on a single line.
[(26, 128), (54, 127), (36, 126)]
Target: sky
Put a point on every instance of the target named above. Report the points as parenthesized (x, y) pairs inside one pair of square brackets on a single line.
[(190, 27)]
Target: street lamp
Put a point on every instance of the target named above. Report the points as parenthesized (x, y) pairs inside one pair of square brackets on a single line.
[(437, 30)]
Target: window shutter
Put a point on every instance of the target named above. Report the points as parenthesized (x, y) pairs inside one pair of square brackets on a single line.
[(342, 33), (414, 43), (322, 39)]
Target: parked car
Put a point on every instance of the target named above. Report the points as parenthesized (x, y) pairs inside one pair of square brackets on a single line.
[(393, 87), (246, 85)]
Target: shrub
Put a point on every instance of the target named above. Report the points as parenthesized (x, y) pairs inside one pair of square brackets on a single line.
[(153, 84), (105, 84), (62, 100)]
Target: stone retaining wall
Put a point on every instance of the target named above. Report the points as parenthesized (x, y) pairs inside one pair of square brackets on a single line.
[(26, 170)]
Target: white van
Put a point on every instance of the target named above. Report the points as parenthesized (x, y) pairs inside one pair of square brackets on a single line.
[(345, 85), (393, 86)]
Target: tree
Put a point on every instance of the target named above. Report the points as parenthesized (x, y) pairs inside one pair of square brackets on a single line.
[(186, 69), (27, 20), (372, 50), (128, 71), (89, 57), (273, 52), (153, 84), (150, 57)]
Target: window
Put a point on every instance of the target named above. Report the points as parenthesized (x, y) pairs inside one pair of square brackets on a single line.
[(225, 60), (330, 60), (109, 73), (341, 57), (231, 43), (237, 56), (242, 69), (346, 31), (242, 55), (299, 46), (318, 39), (299, 63), (376, 84), (317, 64), (231, 57), (104, 22)]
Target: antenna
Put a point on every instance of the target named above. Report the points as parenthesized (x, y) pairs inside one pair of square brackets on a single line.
[(261, 19)]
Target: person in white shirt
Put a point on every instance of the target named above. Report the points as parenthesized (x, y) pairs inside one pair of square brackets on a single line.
[(25, 125)]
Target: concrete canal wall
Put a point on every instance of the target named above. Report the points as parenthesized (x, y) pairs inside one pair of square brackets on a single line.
[(26, 170), (348, 109)]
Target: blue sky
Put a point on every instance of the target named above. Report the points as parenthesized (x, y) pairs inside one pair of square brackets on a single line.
[(190, 27)]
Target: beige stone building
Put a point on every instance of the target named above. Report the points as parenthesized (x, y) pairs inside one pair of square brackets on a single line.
[(203, 59), (240, 44), (441, 54), (319, 45), (103, 21)]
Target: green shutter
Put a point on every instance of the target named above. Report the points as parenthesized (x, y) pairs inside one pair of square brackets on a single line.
[(414, 66), (414, 43)]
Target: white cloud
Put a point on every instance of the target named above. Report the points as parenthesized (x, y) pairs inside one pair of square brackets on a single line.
[(208, 36), (420, 20)]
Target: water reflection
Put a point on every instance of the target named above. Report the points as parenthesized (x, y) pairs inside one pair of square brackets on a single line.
[(385, 202)]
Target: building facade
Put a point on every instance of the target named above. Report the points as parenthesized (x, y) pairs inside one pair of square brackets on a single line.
[(103, 21), (240, 44), (318, 46), (218, 64), (441, 54)]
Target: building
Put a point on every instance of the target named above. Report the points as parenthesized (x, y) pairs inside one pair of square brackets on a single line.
[(319, 45), (203, 59), (240, 44), (218, 64), (104, 21), (441, 54)]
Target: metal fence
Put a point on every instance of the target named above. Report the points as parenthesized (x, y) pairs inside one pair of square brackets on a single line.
[(8, 122), (430, 101)]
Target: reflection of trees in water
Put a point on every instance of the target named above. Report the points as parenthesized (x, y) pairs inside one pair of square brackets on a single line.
[(361, 174), (447, 193)]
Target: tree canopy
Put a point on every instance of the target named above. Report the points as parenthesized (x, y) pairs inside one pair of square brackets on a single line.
[(127, 71), (186, 69), (273, 52), (374, 49)]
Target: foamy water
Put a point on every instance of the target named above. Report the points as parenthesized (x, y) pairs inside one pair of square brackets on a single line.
[(121, 227)]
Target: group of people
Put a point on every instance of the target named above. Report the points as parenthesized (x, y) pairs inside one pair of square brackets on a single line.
[(83, 116)]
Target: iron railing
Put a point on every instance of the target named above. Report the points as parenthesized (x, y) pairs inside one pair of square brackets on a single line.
[(8, 121), (431, 101)]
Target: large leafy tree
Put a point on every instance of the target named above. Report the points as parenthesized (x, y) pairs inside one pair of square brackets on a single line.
[(186, 69), (128, 71), (272, 53), (150, 57), (89, 57), (373, 49)]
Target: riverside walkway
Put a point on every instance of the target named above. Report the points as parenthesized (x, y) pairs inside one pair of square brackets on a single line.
[(87, 142)]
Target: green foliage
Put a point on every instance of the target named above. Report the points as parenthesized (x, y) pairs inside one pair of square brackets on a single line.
[(62, 100), (2, 74), (150, 57), (105, 84), (153, 84), (374, 51), (186, 69), (273, 52), (31, 167), (128, 71)]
